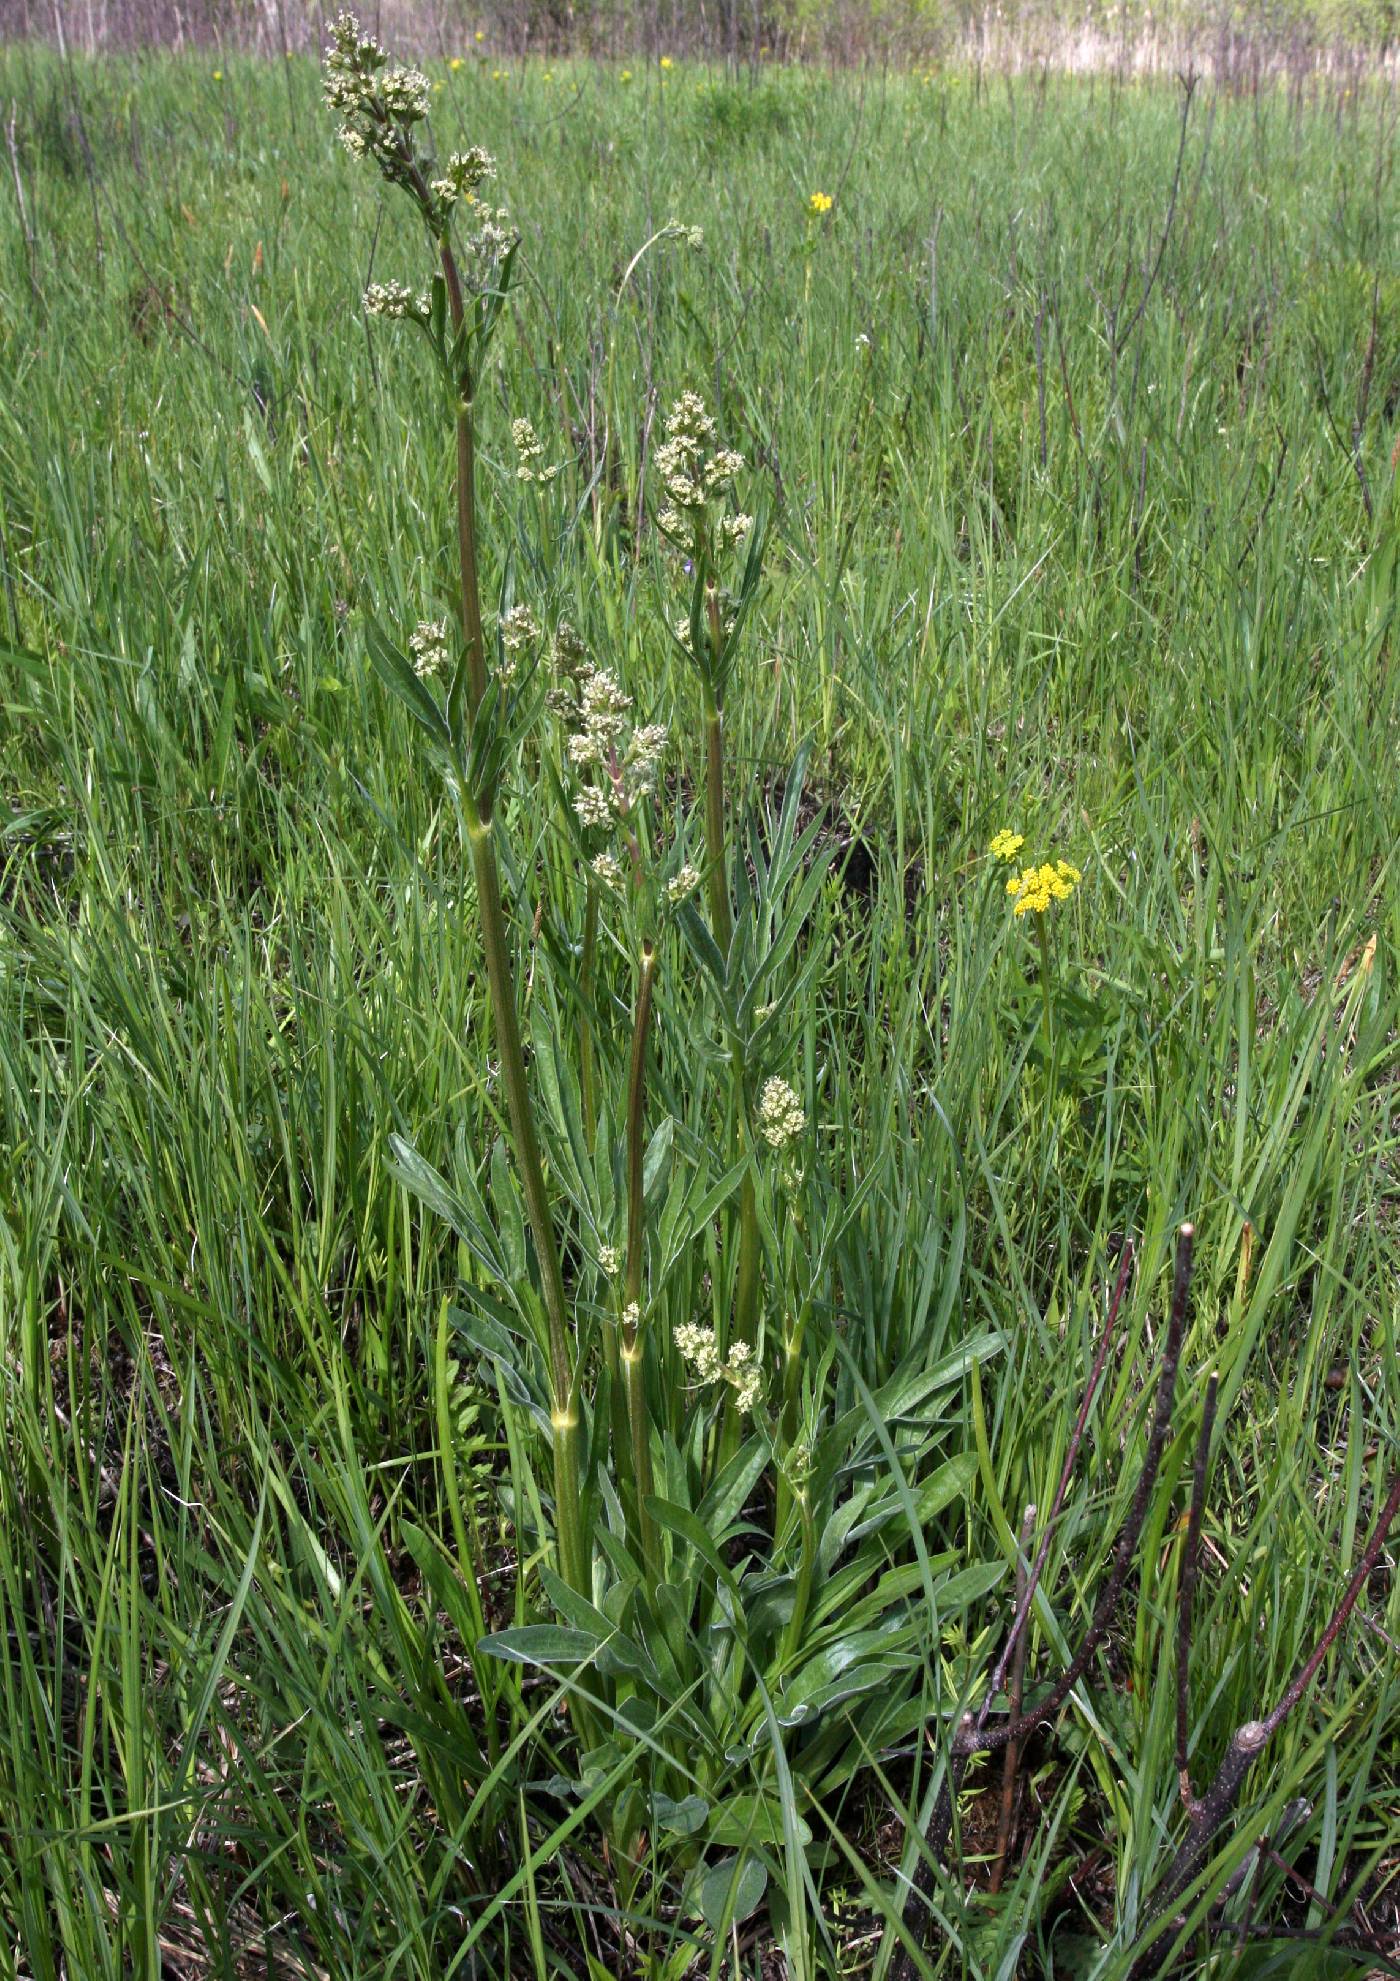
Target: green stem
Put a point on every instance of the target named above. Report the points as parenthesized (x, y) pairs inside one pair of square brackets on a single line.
[(478, 807), (746, 1278), (636, 1120), (716, 861), (470, 1564), (801, 1594), (588, 1076), (633, 1368), (500, 985), (1044, 935), (746, 1291), (1044, 975)]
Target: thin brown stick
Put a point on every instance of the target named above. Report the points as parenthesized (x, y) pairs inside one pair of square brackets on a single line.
[(983, 1740), (1249, 1742), (1023, 1607), (970, 1738), (1011, 1759), (1364, 1569), (1186, 1596)]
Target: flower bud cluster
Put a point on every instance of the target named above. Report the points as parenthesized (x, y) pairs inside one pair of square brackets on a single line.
[(463, 173), (395, 301), (428, 645), (377, 104), (491, 232), (617, 761), (529, 450), (695, 473), (780, 1115), (700, 1350), (520, 635)]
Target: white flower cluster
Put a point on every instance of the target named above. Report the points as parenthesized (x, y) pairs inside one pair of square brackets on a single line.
[(376, 103), (609, 1260), (695, 473), (626, 759), (520, 631), (378, 107), (682, 883), (394, 300), (780, 1115), (699, 1348), (529, 449), (463, 173), (492, 232), (607, 868), (428, 645)]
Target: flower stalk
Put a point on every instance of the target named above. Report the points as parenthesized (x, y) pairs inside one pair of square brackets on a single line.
[(381, 108), (634, 1371)]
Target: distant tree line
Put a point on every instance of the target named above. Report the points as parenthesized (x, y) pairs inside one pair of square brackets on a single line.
[(1227, 36)]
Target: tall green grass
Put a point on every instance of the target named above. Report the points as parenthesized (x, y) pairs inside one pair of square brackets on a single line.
[(1078, 530)]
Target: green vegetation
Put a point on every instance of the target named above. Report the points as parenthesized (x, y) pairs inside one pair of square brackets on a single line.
[(1067, 415)]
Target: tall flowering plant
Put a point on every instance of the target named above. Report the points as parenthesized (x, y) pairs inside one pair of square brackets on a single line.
[(706, 1474)]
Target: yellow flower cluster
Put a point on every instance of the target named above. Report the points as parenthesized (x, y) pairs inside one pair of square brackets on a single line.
[(818, 204), (1034, 888), (1006, 845)]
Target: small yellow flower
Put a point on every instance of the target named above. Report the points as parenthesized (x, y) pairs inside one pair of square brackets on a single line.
[(480, 34), (455, 64), (626, 76), (818, 204), (548, 76), (667, 63), (498, 75), (1034, 888), (218, 75), (1006, 845), (437, 89)]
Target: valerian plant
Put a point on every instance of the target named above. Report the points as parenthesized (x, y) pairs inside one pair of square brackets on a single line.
[(720, 1515), (730, 1568)]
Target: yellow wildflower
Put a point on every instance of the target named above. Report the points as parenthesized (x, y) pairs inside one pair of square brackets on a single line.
[(481, 34), (1034, 888), (455, 64), (626, 76), (667, 63), (218, 75), (819, 203), (1006, 845)]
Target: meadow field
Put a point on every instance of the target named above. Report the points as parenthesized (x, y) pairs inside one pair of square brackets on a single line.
[(569, 1294)]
